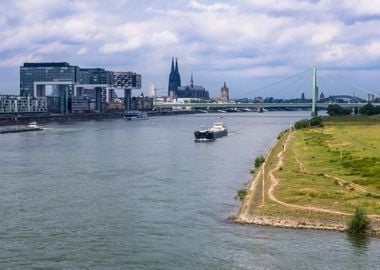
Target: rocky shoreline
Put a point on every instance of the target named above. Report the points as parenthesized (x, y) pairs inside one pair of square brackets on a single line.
[(290, 223)]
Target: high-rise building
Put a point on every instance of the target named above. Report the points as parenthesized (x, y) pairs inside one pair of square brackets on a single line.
[(224, 93), (35, 76), (95, 76), (69, 81), (127, 80), (174, 79)]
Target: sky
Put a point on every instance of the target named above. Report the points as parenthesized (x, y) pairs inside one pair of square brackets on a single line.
[(248, 44)]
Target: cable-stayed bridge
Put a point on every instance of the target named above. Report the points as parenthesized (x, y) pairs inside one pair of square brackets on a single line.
[(294, 82)]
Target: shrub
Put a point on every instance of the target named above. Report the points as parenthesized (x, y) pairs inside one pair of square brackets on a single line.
[(241, 193), (259, 160), (336, 110), (302, 124), (369, 109), (282, 133), (316, 122), (359, 222)]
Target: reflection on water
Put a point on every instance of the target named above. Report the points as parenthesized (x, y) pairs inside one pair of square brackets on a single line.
[(359, 242)]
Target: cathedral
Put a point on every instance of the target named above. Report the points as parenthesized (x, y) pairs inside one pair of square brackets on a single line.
[(175, 90), (174, 79)]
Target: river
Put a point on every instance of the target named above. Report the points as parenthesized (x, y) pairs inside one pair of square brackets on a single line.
[(118, 194)]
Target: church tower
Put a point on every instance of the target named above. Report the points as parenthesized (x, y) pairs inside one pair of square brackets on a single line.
[(171, 80), (174, 79), (224, 93)]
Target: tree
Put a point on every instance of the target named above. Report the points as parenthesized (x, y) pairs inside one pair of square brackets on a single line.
[(259, 160), (369, 109), (336, 110)]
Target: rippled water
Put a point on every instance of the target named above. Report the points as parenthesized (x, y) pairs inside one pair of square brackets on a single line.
[(121, 194)]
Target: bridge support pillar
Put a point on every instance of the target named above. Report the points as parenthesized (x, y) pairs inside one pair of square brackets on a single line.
[(127, 99), (99, 99)]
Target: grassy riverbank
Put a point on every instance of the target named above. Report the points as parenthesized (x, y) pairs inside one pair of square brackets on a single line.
[(316, 177)]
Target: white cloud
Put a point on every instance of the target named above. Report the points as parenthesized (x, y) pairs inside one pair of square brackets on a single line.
[(362, 7), (250, 38), (18, 60), (117, 47), (164, 38), (213, 7), (82, 51)]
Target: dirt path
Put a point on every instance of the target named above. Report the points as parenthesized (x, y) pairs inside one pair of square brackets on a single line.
[(274, 183)]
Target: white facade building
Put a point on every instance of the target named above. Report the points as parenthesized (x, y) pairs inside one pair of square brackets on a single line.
[(22, 104)]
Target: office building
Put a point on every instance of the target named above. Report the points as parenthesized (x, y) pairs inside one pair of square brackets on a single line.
[(35, 76), (95, 76), (22, 104), (142, 103), (126, 80), (79, 104), (67, 81)]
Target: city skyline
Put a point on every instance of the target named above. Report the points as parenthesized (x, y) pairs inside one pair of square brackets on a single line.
[(245, 43)]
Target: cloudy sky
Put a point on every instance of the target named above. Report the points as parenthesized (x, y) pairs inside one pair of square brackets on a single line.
[(247, 43)]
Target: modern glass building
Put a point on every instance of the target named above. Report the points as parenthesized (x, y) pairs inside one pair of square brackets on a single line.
[(68, 82), (35, 76), (126, 80), (95, 76)]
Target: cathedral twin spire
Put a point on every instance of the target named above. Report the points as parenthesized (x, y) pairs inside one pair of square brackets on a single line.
[(174, 78)]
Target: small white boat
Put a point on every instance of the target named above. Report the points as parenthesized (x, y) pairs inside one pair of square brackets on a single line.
[(135, 115), (32, 126)]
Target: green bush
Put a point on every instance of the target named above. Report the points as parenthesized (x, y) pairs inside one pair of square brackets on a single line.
[(241, 193), (259, 160), (302, 124), (316, 122), (369, 109), (336, 110), (282, 133), (359, 222)]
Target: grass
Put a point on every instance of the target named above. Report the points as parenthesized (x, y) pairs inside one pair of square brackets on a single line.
[(346, 147)]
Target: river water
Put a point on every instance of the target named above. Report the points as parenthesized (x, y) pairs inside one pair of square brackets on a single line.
[(121, 194)]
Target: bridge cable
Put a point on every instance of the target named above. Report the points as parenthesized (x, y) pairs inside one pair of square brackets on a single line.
[(291, 84), (275, 83)]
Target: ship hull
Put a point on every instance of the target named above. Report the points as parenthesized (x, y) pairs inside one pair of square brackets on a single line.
[(209, 135), (15, 130)]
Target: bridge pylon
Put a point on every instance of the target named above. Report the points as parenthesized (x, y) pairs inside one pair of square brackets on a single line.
[(314, 93)]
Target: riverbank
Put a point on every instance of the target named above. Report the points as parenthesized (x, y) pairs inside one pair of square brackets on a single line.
[(315, 178), (23, 119)]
